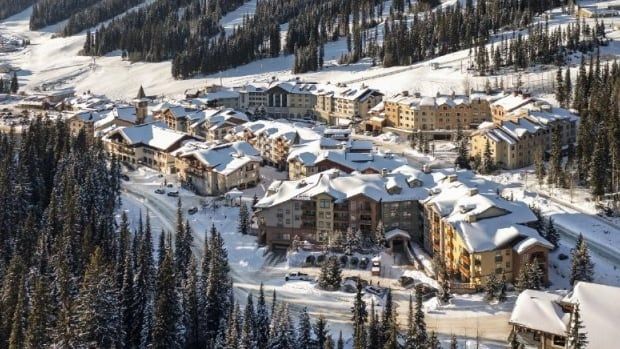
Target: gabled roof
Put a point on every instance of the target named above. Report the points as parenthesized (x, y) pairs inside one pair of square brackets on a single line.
[(154, 135), (225, 158), (541, 311)]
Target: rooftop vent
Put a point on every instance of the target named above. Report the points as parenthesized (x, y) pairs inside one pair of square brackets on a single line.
[(472, 191)]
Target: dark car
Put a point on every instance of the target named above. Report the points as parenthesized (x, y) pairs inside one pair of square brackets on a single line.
[(406, 281), (192, 210), (125, 177), (355, 279), (427, 291), (364, 263), (160, 191), (174, 194)]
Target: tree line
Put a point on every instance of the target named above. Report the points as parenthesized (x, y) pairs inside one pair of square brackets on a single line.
[(47, 12), (93, 15), (12, 7)]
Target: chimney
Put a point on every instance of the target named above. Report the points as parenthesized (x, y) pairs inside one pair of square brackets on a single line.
[(471, 218), (417, 95), (384, 172), (405, 93), (452, 178), (472, 191)]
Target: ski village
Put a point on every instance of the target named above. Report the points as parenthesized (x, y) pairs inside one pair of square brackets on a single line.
[(275, 174)]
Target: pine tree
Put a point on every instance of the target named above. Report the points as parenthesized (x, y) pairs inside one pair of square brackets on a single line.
[(576, 338), (582, 267), (304, 330), (127, 298), (598, 166), (490, 288), (433, 342), (539, 166), (244, 223), (555, 161), (560, 89), (192, 302), (248, 332), (374, 335), (167, 323), (331, 275), (320, 332), (14, 84), (359, 318), (340, 342), (219, 290), (551, 234), (262, 320), (18, 320), (98, 307), (421, 336), (12, 282), (488, 165), (40, 316)]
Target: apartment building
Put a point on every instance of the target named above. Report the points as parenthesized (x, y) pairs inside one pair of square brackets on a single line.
[(273, 139), (516, 139), (215, 169), (180, 118), (442, 112), (477, 234), (215, 124), (148, 144), (291, 100), (347, 156), (320, 208), (342, 104)]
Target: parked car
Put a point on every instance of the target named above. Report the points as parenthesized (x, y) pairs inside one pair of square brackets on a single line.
[(297, 276), (170, 185), (349, 286), (125, 177), (192, 210), (406, 281), (174, 194), (376, 290), (364, 263), (355, 279), (375, 269), (427, 291), (160, 191)]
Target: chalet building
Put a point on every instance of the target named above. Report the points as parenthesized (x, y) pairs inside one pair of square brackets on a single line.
[(542, 319), (291, 100), (326, 153), (216, 169), (516, 139), (339, 105), (148, 144), (477, 234), (273, 139), (322, 207), (215, 124), (443, 112), (252, 98), (180, 118)]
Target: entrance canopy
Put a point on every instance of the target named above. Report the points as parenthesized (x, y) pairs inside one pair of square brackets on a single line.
[(397, 234)]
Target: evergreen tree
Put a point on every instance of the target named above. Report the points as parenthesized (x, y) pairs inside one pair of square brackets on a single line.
[(551, 234), (244, 220), (582, 267), (421, 336), (374, 335), (359, 318), (192, 302), (490, 288), (488, 165), (167, 323), (380, 235), (321, 332), (18, 328), (248, 332), (576, 338), (262, 320), (560, 88), (331, 275), (14, 84), (555, 161), (340, 342), (454, 344), (304, 331), (98, 308), (433, 342), (40, 316)]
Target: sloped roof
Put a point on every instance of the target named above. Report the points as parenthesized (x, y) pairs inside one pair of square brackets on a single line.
[(154, 135), (540, 310)]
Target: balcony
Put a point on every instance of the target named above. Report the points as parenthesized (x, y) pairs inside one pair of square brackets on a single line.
[(465, 259), (464, 271)]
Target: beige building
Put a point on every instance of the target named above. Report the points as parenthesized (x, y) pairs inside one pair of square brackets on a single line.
[(517, 138), (150, 145), (338, 105), (436, 113), (215, 169), (477, 234), (215, 124)]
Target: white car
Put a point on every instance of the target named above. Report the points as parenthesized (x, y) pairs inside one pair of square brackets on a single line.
[(297, 276)]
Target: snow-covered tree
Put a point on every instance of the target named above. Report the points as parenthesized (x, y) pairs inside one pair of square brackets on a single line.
[(582, 266), (576, 337), (551, 233), (331, 275), (244, 219), (320, 332), (168, 331), (304, 330), (359, 318)]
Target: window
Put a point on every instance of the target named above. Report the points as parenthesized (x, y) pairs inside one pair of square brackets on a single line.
[(288, 221), (507, 265), (499, 270), (286, 236), (559, 341), (324, 203)]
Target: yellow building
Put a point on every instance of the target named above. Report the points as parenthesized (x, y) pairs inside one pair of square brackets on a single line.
[(516, 139), (479, 234), (337, 105), (442, 112)]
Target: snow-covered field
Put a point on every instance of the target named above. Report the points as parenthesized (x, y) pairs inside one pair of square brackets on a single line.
[(54, 62)]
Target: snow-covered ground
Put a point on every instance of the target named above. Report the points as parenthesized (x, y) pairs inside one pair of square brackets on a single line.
[(53, 62)]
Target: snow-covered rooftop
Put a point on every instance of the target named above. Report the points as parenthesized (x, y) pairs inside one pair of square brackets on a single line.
[(540, 310), (342, 186), (224, 158), (155, 135)]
